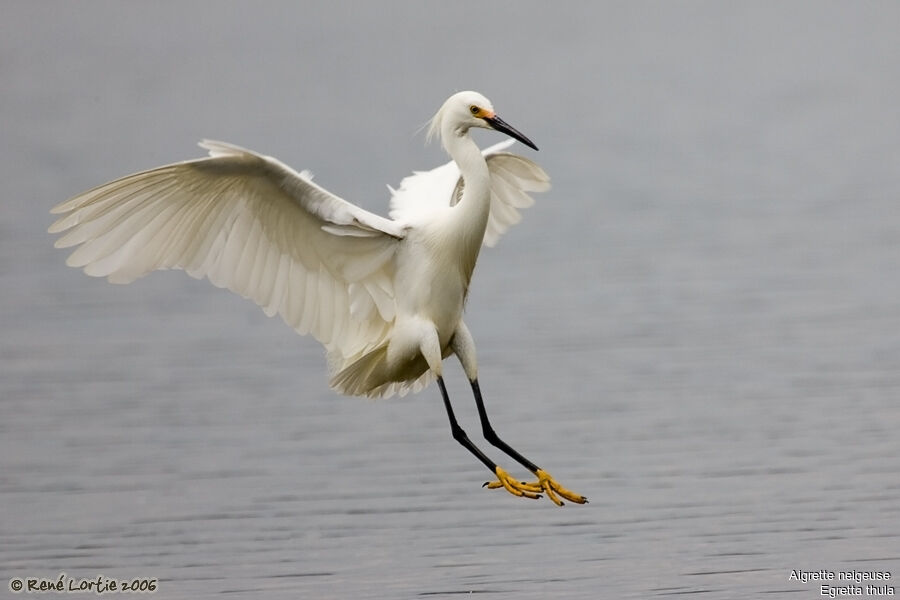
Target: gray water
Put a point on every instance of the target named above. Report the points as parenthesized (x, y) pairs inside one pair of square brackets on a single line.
[(698, 327)]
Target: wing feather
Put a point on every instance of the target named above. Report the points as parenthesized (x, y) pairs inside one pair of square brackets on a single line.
[(513, 178), (251, 224)]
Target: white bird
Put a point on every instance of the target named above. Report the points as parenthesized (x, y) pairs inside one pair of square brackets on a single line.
[(384, 296)]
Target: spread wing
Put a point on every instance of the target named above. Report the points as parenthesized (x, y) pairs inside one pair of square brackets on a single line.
[(512, 179), (251, 224)]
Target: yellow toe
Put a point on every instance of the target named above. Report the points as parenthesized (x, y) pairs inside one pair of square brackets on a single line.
[(552, 488), (514, 486), (545, 484)]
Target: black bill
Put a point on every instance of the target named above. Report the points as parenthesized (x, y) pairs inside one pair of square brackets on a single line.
[(504, 127)]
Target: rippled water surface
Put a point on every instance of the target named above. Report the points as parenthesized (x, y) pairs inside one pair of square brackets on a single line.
[(698, 327)]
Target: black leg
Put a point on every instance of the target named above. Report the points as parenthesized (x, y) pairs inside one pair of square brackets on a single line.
[(459, 434), (491, 436), (545, 482)]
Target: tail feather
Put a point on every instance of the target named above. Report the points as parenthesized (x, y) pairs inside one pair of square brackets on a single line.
[(369, 376)]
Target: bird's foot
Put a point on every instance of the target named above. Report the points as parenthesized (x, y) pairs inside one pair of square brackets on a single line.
[(544, 484), (514, 486), (552, 488)]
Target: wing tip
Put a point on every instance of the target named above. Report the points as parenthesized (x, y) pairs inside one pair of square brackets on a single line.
[(498, 147), (217, 148)]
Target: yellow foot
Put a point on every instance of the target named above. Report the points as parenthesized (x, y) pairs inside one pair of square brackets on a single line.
[(550, 485), (545, 483), (514, 486)]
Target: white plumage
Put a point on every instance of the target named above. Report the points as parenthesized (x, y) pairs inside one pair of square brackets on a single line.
[(358, 282), (384, 296)]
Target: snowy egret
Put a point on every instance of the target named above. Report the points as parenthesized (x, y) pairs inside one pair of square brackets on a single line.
[(384, 296)]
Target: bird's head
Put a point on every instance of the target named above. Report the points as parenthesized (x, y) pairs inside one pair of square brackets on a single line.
[(465, 110)]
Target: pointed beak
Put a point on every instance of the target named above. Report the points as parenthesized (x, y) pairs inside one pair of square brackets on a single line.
[(504, 127)]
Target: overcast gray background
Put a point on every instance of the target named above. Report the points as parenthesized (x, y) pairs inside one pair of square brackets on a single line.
[(698, 327)]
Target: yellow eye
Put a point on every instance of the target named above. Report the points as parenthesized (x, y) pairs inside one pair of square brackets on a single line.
[(474, 110)]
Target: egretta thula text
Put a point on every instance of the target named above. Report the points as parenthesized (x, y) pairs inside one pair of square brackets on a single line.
[(385, 296)]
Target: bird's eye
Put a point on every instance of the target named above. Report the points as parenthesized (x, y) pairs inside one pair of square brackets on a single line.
[(474, 110)]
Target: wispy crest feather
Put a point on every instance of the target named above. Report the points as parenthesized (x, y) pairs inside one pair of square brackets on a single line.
[(434, 126)]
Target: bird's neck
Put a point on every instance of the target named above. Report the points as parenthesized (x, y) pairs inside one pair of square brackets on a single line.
[(470, 215), (474, 205)]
